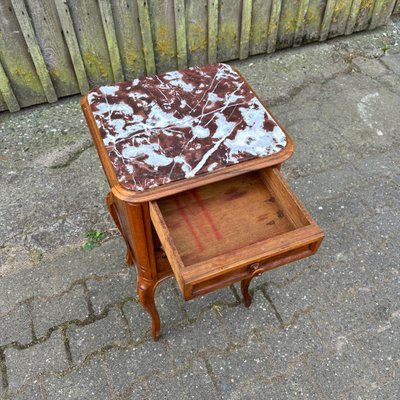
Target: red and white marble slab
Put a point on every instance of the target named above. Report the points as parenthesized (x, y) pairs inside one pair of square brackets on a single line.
[(181, 124)]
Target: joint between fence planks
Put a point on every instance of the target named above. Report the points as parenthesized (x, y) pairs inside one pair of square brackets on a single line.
[(212, 32), (180, 33), (33, 46), (147, 40), (245, 28), (273, 25), (111, 39), (7, 92)]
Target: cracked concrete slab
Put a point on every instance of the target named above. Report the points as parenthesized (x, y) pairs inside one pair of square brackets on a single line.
[(324, 327)]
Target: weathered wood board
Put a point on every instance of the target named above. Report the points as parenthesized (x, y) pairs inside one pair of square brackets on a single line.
[(127, 29), (16, 61), (260, 16), (196, 31), (229, 23), (92, 42), (48, 30), (162, 19)]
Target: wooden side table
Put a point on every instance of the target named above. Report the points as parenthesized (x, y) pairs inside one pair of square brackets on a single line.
[(192, 158)]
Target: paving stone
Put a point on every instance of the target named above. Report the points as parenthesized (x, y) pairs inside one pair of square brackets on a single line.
[(392, 82), (233, 370), (316, 187), (370, 67), (168, 302), (56, 275), (392, 62), (57, 310), (30, 392), (382, 348), (381, 227), (240, 322), (139, 320), (293, 386), (381, 197), (194, 383), (87, 339), (343, 319), (341, 371), (88, 382), (49, 356), (199, 304), (299, 295), (107, 291), (128, 365), (310, 157), (331, 213), (387, 391), (296, 340), (205, 334), (136, 392), (16, 326)]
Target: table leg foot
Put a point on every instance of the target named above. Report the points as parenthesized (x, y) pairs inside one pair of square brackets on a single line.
[(244, 286), (146, 291)]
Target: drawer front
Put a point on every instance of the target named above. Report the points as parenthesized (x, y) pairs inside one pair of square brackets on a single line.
[(232, 230), (251, 270)]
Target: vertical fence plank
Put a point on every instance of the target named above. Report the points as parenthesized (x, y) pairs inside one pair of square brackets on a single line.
[(16, 61), (313, 20), (127, 30), (145, 28), (229, 29), (111, 39), (212, 36), (260, 17), (49, 35), (364, 15), (196, 15), (382, 11), (162, 21), (92, 42), (273, 25), (287, 23), (7, 92), (351, 22), (180, 32), (340, 17), (327, 19), (300, 23), (27, 30), (72, 44), (244, 49)]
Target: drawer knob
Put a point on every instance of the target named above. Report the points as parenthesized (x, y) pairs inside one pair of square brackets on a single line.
[(254, 266)]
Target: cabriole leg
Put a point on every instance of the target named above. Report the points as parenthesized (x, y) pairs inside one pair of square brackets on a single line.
[(145, 290), (244, 286)]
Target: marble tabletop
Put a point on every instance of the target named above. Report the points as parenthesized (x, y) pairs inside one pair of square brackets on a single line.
[(182, 124)]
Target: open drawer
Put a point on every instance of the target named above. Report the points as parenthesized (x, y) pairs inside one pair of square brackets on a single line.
[(232, 230)]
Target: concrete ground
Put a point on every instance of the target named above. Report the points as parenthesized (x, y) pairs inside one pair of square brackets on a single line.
[(327, 327)]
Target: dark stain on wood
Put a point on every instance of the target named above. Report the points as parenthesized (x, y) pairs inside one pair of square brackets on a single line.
[(234, 193)]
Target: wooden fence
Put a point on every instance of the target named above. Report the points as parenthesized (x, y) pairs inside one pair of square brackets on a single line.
[(55, 48)]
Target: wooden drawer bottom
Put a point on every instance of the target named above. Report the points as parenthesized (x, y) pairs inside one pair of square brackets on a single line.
[(232, 230)]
